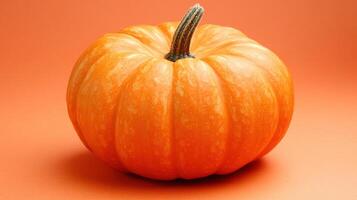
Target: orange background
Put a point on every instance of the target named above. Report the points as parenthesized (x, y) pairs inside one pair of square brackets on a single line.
[(42, 158)]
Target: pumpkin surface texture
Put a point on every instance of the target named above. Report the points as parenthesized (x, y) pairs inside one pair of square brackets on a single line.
[(179, 100)]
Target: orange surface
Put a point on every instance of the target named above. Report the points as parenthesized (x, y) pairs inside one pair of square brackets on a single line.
[(43, 158)]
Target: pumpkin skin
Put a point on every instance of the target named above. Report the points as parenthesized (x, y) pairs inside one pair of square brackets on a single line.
[(191, 118)]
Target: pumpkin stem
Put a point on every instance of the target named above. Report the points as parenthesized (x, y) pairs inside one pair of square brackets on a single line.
[(180, 47)]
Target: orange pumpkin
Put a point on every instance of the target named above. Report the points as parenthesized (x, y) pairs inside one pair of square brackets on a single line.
[(151, 101)]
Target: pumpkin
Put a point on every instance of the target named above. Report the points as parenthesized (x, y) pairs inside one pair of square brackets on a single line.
[(178, 100)]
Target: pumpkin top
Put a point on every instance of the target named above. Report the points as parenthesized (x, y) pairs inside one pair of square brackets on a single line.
[(176, 40)]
